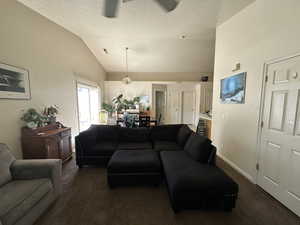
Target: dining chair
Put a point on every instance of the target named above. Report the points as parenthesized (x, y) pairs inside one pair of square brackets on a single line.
[(144, 121)]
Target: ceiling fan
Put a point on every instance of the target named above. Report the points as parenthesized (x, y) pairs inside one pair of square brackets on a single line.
[(111, 6)]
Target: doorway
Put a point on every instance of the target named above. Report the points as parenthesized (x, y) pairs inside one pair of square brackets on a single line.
[(88, 98), (160, 104), (279, 160)]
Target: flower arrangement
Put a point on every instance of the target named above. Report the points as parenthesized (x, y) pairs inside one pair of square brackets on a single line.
[(51, 112)]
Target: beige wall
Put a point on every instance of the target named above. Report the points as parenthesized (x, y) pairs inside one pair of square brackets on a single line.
[(53, 56), (172, 76), (265, 30)]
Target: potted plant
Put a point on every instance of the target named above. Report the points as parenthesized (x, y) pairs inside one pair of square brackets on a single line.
[(33, 119), (118, 103), (51, 112), (109, 108)]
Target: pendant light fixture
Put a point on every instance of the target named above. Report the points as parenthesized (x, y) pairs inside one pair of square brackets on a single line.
[(126, 79)]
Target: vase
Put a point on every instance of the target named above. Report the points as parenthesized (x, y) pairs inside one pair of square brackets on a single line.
[(52, 120)]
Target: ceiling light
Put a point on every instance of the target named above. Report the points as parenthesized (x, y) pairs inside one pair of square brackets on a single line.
[(126, 79)]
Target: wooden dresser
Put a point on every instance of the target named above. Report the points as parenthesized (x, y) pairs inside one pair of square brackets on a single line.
[(49, 142)]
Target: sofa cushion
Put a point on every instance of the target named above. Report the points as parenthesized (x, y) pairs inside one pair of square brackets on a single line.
[(102, 149), (165, 132), (191, 180), (134, 162), (135, 146), (198, 147), (183, 135), (166, 146), (87, 138), (134, 134), (105, 132), (19, 196), (6, 160)]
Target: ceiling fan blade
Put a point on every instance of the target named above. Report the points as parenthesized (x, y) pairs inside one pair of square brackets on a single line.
[(167, 5), (111, 8)]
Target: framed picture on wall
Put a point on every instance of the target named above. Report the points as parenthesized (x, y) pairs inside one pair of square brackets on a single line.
[(233, 89), (14, 82)]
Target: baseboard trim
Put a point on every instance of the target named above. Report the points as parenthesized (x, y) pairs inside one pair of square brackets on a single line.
[(238, 169)]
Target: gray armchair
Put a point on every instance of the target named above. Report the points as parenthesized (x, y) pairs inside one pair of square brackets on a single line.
[(27, 187)]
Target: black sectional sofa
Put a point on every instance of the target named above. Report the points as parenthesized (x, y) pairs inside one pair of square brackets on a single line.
[(96, 145), (186, 160)]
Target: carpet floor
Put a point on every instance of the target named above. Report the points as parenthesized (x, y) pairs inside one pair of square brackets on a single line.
[(87, 200)]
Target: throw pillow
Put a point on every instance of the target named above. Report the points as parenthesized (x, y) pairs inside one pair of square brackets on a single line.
[(198, 147)]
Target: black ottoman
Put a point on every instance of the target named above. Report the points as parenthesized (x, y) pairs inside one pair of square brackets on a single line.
[(134, 167)]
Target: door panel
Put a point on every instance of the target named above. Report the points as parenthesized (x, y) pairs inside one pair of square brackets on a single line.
[(272, 158), (280, 76), (278, 108), (280, 140), (294, 171)]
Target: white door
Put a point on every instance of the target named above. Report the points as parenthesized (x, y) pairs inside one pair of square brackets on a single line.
[(188, 107), (279, 172), (173, 107), (88, 105)]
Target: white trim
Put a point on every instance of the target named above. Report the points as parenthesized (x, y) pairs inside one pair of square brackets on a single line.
[(87, 82), (238, 169)]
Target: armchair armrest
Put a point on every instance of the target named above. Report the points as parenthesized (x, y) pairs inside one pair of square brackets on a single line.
[(36, 169)]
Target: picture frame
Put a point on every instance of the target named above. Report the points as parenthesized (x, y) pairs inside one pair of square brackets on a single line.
[(233, 89), (14, 82)]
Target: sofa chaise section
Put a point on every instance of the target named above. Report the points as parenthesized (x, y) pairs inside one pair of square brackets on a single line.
[(192, 184)]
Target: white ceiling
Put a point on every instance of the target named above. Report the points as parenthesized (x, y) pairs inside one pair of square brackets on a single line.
[(152, 35)]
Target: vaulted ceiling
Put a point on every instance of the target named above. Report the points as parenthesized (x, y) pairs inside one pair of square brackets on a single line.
[(154, 37)]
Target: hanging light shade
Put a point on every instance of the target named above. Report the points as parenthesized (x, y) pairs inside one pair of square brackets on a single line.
[(126, 79)]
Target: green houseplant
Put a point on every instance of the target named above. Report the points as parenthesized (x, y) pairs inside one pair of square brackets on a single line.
[(118, 103), (109, 108), (123, 104), (33, 119)]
